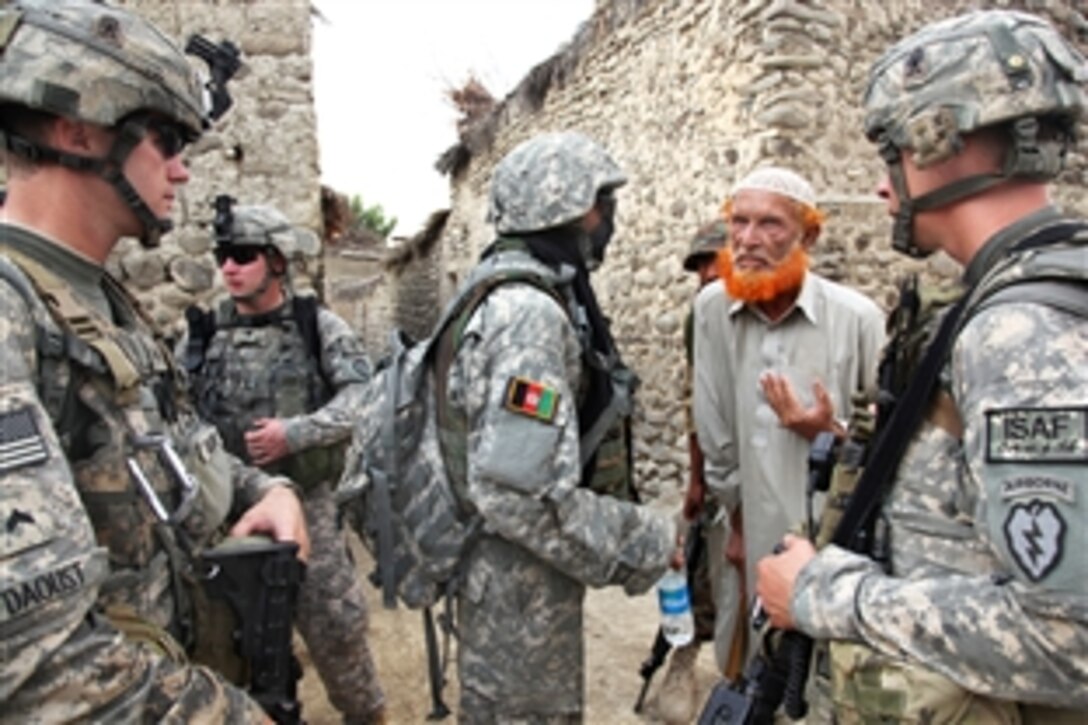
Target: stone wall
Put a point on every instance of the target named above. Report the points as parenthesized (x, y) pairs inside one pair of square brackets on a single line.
[(689, 95), (263, 151)]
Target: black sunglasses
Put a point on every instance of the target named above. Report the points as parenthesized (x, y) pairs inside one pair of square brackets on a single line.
[(239, 254), (169, 138)]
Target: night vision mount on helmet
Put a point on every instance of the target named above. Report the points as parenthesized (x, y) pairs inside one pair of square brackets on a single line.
[(261, 226)]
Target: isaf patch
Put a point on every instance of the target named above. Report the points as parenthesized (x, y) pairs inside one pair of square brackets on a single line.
[(21, 443), (1035, 534), (1040, 435), (531, 398)]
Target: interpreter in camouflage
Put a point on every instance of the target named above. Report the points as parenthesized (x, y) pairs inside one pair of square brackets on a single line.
[(546, 400), (281, 376), (675, 702), (981, 614), (108, 480)]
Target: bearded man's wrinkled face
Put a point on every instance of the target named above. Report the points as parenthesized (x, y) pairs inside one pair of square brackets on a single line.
[(768, 246)]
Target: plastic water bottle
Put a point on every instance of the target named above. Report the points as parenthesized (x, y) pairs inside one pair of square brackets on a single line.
[(677, 624)]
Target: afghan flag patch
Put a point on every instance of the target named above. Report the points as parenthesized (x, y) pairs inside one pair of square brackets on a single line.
[(528, 397)]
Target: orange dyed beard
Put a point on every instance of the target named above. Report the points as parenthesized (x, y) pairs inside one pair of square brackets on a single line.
[(752, 286)]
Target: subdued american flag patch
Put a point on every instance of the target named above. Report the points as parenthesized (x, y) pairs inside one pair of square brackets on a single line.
[(20, 442)]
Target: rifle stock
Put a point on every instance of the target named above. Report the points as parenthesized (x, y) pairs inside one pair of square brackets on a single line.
[(259, 579)]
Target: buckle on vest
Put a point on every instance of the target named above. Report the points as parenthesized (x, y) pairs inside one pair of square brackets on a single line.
[(174, 468)]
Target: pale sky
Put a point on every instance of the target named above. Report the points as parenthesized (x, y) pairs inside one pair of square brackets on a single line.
[(381, 69)]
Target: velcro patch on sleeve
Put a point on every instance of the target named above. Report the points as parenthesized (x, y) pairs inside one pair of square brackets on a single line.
[(1035, 534), (532, 398), (1045, 435), (21, 442)]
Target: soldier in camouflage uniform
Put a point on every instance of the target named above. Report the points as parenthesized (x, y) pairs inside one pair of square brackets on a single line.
[(100, 517), (280, 377), (982, 612), (538, 380), (676, 698)]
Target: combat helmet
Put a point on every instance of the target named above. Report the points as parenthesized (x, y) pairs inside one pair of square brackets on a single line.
[(108, 66), (549, 181), (709, 238), (262, 226), (982, 69)]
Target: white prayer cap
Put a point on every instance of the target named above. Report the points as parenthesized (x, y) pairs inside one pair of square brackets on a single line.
[(778, 180)]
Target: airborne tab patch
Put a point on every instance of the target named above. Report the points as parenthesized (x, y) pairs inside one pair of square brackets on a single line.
[(1052, 435), (20, 442), (532, 398)]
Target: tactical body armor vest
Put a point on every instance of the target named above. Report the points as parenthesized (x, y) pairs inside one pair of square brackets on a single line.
[(243, 368), (862, 684), (153, 479)]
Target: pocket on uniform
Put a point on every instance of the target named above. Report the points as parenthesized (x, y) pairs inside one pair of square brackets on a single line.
[(518, 452)]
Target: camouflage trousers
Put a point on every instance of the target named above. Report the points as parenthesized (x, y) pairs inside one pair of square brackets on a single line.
[(332, 615)]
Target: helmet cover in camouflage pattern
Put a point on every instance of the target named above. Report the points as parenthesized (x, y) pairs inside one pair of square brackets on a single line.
[(95, 63), (260, 226), (548, 181), (968, 72), (707, 241)]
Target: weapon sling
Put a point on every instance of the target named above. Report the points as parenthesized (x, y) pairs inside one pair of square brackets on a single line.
[(894, 437)]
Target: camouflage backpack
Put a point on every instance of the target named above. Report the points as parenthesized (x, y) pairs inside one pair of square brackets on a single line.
[(401, 489)]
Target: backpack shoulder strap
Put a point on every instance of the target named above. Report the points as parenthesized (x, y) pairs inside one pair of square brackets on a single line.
[(1067, 295), (304, 310), (86, 341), (49, 341), (202, 326), (444, 344)]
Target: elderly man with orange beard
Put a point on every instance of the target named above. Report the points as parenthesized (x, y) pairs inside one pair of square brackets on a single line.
[(779, 351)]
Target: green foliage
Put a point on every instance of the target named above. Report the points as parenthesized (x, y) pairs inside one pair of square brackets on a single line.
[(371, 218)]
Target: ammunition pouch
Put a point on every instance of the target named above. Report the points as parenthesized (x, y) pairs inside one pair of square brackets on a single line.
[(867, 686), (612, 475), (312, 467)]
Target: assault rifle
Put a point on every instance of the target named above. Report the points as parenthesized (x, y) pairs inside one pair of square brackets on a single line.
[(259, 579), (694, 551), (777, 672)]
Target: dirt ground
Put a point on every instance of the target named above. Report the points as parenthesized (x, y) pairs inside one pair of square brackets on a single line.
[(619, 633)]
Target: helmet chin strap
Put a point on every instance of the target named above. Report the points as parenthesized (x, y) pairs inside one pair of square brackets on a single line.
[(1026, 158), (110, 168)]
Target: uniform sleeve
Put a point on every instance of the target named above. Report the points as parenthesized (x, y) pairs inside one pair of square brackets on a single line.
[(59, 661), (347, 368), (1020, 375), (519, 365), (870, 347), (712, 402)]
